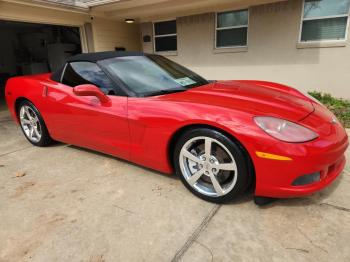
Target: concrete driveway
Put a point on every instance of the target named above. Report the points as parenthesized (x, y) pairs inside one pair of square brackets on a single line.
[(77, 205)]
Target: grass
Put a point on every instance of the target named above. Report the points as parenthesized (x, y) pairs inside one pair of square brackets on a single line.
[(340, 107)]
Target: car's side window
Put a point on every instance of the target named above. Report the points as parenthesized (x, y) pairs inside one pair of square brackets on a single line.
[(78, 73)]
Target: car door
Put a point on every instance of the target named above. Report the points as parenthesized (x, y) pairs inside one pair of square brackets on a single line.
[(84, 120)]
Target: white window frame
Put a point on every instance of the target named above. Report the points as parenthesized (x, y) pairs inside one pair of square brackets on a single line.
[(230, 27), (159, 36), (320, 18)]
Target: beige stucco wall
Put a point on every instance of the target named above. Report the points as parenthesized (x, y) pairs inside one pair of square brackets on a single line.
[(109, 34), (272, 52)]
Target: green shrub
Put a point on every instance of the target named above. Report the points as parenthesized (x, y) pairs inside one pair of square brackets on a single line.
[(340, 107)]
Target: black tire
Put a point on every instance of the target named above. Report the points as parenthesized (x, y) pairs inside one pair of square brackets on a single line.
[(244, 176), (45, 139)]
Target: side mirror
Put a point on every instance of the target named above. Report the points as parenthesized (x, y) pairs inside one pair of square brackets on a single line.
[(90, 90)]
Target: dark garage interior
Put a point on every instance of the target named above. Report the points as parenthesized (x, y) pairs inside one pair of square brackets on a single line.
[(27, 48)]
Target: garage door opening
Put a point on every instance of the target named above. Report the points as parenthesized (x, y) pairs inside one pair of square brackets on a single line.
[(27, 48)]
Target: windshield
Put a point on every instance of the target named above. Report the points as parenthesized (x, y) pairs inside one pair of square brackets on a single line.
[(152, 74)]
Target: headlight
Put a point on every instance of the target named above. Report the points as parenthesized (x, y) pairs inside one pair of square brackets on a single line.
[(285, 130)]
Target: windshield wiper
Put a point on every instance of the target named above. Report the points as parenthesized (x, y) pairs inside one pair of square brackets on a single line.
[(165, 91)]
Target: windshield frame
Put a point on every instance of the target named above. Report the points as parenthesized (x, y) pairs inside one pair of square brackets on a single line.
[(130, 92)]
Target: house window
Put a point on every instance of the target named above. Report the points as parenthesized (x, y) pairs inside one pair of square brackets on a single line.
[(232, 29), (324, 20), (165, 36)]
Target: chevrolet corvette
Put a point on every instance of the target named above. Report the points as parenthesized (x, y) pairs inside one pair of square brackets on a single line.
[(219, 137)]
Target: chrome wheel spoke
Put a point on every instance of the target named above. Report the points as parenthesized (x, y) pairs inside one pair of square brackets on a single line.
[(29, 116), (31, 132), (217, 187), (25, 121), (194, 178), (227, 166), (35, 119), (36, 132), (207, 147), (190, 156)]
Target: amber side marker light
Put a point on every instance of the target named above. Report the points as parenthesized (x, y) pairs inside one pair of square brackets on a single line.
[(272, 156)]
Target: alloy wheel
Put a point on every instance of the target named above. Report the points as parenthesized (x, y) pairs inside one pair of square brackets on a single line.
[(30, 124), (208, 166)]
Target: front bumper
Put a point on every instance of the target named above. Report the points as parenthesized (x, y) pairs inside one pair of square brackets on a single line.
[(285, 189), (325, 155)]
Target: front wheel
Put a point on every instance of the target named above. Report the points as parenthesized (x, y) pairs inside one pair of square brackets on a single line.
[(33, 125), (211, 165)]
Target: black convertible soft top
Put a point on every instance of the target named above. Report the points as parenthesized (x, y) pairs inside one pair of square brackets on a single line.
[(98, 56), (93, 57)]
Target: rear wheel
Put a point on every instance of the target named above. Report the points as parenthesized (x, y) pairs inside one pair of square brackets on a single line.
[(33, 125), (211, 165)]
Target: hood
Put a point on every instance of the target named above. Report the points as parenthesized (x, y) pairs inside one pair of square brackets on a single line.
[(256, 97)]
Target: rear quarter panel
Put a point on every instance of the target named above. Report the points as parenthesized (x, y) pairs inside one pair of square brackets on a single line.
[(28, 87)]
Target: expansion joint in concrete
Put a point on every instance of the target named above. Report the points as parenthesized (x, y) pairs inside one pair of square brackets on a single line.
[(194, 236)]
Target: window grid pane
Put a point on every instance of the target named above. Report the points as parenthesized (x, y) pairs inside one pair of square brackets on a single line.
[(167, 43), (324, 8), (235, 18), (324, 29), (165, 28), (232, 37)]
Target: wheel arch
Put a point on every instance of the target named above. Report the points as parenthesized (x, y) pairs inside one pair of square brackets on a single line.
[(18, 101), (178, 133), (48, 140)]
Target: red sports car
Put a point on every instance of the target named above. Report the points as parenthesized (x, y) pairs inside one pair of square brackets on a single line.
[(220, 137)]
